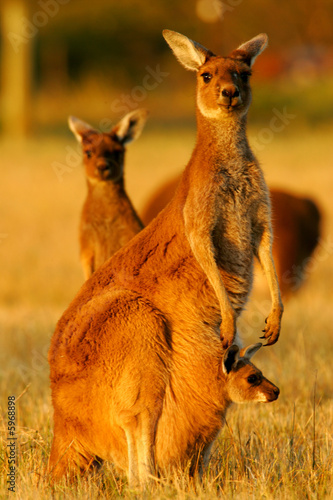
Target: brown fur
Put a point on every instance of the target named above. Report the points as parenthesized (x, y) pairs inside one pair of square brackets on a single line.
[(296, 225), (108, 219), (296, 229), (159, 199), (227, 221), (168, 413), (136, 358)]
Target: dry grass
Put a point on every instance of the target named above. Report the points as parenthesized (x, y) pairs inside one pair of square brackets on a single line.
[(278, 451)]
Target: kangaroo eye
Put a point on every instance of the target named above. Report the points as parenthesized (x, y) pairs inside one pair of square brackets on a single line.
[(206, 77), (245, 76), (88, 153), (252, 379)]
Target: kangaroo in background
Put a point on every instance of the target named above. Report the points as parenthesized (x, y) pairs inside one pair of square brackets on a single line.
[(297, 228), (135, 360), (296, 224), (108, 219)]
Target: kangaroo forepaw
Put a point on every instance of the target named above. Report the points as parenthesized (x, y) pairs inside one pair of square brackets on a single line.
[(227, 332), (272, 328)]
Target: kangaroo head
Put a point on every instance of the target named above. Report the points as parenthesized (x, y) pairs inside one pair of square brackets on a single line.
[(244, 381), (223, 87), (103, 153)]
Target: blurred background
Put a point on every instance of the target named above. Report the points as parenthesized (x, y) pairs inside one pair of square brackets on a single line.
[(93, 58), (98, 60)]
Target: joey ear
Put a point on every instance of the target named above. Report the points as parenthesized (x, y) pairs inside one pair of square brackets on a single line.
[(80, 128), (248, 51), (250, 351), (190, 54), (230, 358), (130, 126)]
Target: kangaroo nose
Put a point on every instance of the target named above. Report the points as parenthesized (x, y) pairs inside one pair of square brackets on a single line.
[(230, 92), (105, 164), (276, 391)]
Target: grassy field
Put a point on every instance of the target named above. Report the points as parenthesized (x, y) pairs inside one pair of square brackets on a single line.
[(282, 450)]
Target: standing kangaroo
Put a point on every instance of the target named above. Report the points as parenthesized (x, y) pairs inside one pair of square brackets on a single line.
[(135, 360), (108, 219), (227, 219)]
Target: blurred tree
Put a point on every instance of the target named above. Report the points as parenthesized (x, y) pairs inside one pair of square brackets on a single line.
[(70, 42), (15, 69)]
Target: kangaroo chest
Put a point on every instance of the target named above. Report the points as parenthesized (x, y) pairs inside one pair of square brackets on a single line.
[(235, 201), (233, 239)]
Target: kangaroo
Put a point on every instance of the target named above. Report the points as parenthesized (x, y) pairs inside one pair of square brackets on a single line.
[(297, 229), (296, 224), (108, 219), (140, 344), (227, 221), (142, 430)]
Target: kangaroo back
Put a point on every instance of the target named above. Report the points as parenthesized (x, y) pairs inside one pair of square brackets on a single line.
[(296, 225)]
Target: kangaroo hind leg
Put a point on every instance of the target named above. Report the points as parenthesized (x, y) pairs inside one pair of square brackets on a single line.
[(68, 455), (140, 435)]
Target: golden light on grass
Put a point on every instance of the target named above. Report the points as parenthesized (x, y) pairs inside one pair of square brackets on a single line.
[(277, 451)]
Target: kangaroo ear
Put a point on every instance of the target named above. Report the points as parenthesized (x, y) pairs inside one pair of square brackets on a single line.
[(230, 358), (190, 54), (130, 126), (248, 51), (80, 128), (249, 351)]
